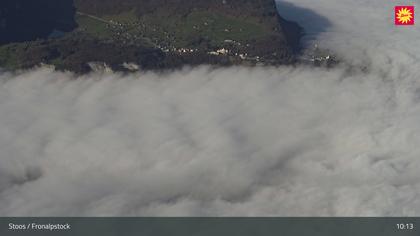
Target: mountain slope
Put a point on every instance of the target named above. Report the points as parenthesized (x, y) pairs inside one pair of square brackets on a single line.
[(155, 34)]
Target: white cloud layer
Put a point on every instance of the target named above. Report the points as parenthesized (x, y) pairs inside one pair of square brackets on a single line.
[(224, 142)]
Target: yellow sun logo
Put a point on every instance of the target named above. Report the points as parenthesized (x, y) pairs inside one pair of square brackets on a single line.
[(404, 15)]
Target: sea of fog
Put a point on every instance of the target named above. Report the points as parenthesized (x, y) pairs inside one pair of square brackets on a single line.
[(237, 141)]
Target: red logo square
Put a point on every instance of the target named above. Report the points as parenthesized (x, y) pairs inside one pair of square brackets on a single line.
[(404, 15)]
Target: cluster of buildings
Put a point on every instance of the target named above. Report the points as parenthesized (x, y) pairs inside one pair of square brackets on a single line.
[(121, 32)]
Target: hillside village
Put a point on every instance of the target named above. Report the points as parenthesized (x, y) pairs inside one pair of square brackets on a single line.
[(213, 32)]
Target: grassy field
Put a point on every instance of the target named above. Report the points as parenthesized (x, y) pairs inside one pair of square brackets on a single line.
[(124, 17), (8, 59), (179, 31), (219, 27), (93, 27), (184, 31)]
